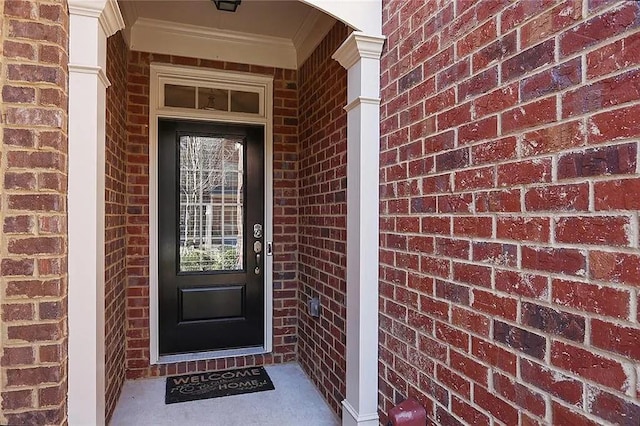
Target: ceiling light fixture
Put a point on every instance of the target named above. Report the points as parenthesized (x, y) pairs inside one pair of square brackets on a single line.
[(227, 5)]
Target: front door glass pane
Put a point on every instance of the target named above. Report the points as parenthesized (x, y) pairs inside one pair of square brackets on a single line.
[(211, 204)]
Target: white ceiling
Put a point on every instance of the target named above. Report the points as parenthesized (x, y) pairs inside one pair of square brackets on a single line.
[(263, 17), (266, 24)]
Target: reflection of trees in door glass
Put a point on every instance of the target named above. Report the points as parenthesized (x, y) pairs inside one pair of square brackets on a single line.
[(211, 203)]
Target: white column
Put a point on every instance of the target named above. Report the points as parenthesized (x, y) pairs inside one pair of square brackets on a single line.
[(360, 55), (90, 23)]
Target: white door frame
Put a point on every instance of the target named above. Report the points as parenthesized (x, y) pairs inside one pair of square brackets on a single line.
[(177, 74), (91, 23)]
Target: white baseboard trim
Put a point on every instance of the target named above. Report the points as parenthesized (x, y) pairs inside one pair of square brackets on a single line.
[(350, 416)]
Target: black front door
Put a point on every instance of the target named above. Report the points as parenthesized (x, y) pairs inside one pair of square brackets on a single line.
[(210, 237)]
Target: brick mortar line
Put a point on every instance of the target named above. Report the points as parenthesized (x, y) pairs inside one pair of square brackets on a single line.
[(499, 113), (520, 355), (557, 58), (552, 276), (533, 244), (549, 303)]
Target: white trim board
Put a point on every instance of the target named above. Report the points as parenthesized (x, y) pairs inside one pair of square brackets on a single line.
[(191, 76)]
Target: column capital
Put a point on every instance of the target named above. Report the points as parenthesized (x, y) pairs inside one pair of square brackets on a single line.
[(106, 11), (359, 46)]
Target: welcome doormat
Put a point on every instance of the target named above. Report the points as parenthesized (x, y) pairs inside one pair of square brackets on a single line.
[(214, 384)]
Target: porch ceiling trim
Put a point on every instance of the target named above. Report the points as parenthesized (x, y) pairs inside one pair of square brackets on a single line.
[(170, 38)]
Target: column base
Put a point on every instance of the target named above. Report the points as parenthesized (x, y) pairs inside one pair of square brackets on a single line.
[(350, 416)]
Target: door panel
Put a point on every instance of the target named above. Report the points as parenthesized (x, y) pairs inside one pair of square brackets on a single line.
[(210, 197)]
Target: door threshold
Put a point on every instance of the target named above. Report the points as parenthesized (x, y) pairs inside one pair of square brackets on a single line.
[(203, 356)]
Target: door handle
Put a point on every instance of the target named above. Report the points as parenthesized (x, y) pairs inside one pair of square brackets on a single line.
[(257, 269)]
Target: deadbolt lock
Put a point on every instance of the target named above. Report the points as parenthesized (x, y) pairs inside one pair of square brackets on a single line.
[(257, 246), (257, 231)]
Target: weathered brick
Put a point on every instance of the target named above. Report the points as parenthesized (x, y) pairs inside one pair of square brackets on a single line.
[(17, 312), (13, 49), (605, 93), (551, 381), (17, 94), (494, 355), (584, 363), (17, 400), (517, 338), (35, 333), (621, 194), (528, 60), (622, 123), (609, 160), (453, 74), (564, 416), (469, 367), (601, 230), (19, 137), (33, 376), (36, 245), (558, 198), (567, 261), (533, 114), (519, 394), (612, 408), (16, 356), (487, 302), (467, 412), (493, 150), (498, 201), (614, 56), (477, 38), (522, 284), (478, 130), (410, 79), (551, 22), (20, 9), (495, 51), (615, 267), (34, 73), (609, 24), (11, 267), (499, 100), (472, 274), (524, 172), (591, 298), (553, 321), (495, 253), (553, 139), (615, 338), (500, 409)]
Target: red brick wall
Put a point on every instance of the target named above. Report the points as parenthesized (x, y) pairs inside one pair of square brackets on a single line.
[(510, 188), (33, 212), (285, 219), (322, 217), (115, 220)]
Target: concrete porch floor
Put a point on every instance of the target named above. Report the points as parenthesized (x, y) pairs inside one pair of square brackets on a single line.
[(294, 402)]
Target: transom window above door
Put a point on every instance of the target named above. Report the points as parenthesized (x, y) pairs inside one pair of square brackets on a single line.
[(211, 99), (189, 92)]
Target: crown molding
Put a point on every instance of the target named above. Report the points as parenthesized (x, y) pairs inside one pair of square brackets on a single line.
[(359, 46), (315, 26), (111, 19), (106, 11), (156, 36)]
